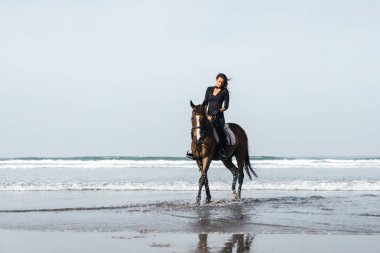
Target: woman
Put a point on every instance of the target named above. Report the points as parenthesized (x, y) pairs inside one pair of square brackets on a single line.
[(217, 100)]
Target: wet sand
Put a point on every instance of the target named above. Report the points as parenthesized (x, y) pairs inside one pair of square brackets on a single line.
[(171, 222), (145, 241)]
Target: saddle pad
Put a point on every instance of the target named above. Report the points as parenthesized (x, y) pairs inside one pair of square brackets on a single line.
[(231, 140)]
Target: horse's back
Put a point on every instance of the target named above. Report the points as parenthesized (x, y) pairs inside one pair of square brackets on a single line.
[(237, 130), (240, 135)]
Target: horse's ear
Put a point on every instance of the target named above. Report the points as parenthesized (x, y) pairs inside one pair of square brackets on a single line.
[(191, 104), (204, 103)]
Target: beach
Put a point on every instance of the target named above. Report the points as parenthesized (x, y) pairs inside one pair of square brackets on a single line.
[(148, 204), (104, 104)]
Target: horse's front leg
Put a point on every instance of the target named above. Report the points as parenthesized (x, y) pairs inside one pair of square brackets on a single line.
[(203, 180), (208, 194), (200, 166), (206, 163), (200, 183)]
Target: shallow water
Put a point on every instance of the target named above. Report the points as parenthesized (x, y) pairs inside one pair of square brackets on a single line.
[(314, 196), (264, 212)]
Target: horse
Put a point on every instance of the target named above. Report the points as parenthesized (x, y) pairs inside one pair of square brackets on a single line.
[(204, 149)]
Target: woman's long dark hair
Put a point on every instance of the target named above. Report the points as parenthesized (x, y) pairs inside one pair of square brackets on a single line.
[(225, 83)]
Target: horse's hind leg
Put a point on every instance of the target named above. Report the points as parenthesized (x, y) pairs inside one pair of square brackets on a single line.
[(235, 172), (240, 162), (241, 179)]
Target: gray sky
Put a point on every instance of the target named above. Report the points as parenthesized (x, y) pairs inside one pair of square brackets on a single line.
[(115, 77)]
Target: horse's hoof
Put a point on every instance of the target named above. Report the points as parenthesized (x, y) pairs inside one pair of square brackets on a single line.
[(198, 200), (233, 196), (208, 200)]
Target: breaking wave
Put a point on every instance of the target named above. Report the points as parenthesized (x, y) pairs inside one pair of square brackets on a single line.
[(193, 186)]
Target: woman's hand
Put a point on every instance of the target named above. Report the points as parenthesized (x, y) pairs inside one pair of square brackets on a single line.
[(222, 109)]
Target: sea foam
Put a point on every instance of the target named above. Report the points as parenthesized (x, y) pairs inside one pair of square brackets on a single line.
[(163, 163), (193, 186)]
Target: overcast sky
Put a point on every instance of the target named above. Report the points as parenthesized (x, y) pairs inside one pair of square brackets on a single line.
[(82, 78)]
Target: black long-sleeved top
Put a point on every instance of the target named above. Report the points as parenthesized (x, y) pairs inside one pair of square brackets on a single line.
[(215, 103)]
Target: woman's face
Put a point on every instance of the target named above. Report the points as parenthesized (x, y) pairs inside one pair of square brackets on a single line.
[(219, 82)]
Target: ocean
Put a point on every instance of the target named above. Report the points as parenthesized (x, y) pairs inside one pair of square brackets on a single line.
[(339, 195)]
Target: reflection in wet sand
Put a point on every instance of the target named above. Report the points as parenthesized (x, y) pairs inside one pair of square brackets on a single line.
[(202, 244), (242, 243), (227, 218)]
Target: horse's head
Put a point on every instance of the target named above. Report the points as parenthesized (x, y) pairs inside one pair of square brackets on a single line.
[(198, 120)]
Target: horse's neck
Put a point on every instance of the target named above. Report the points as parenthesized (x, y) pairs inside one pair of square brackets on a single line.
[(208, 127)]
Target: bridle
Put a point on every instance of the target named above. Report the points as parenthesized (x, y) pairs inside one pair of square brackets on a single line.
[(203, 134)]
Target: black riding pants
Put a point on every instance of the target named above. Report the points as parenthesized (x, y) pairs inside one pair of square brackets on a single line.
[(218, 123)]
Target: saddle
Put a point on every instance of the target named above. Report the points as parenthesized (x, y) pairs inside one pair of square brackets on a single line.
[(230, 136)]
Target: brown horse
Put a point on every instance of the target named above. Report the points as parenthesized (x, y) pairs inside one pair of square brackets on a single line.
[(204, 147)]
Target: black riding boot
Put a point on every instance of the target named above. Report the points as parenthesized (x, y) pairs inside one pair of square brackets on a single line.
[(222, 143), (218, 124)]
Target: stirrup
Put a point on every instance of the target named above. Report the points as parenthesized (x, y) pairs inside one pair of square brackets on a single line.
[(190, 155)]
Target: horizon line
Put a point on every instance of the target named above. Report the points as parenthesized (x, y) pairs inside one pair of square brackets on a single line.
[(179, 157)]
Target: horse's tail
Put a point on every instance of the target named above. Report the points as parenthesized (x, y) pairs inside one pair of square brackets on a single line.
[(247, 165)]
